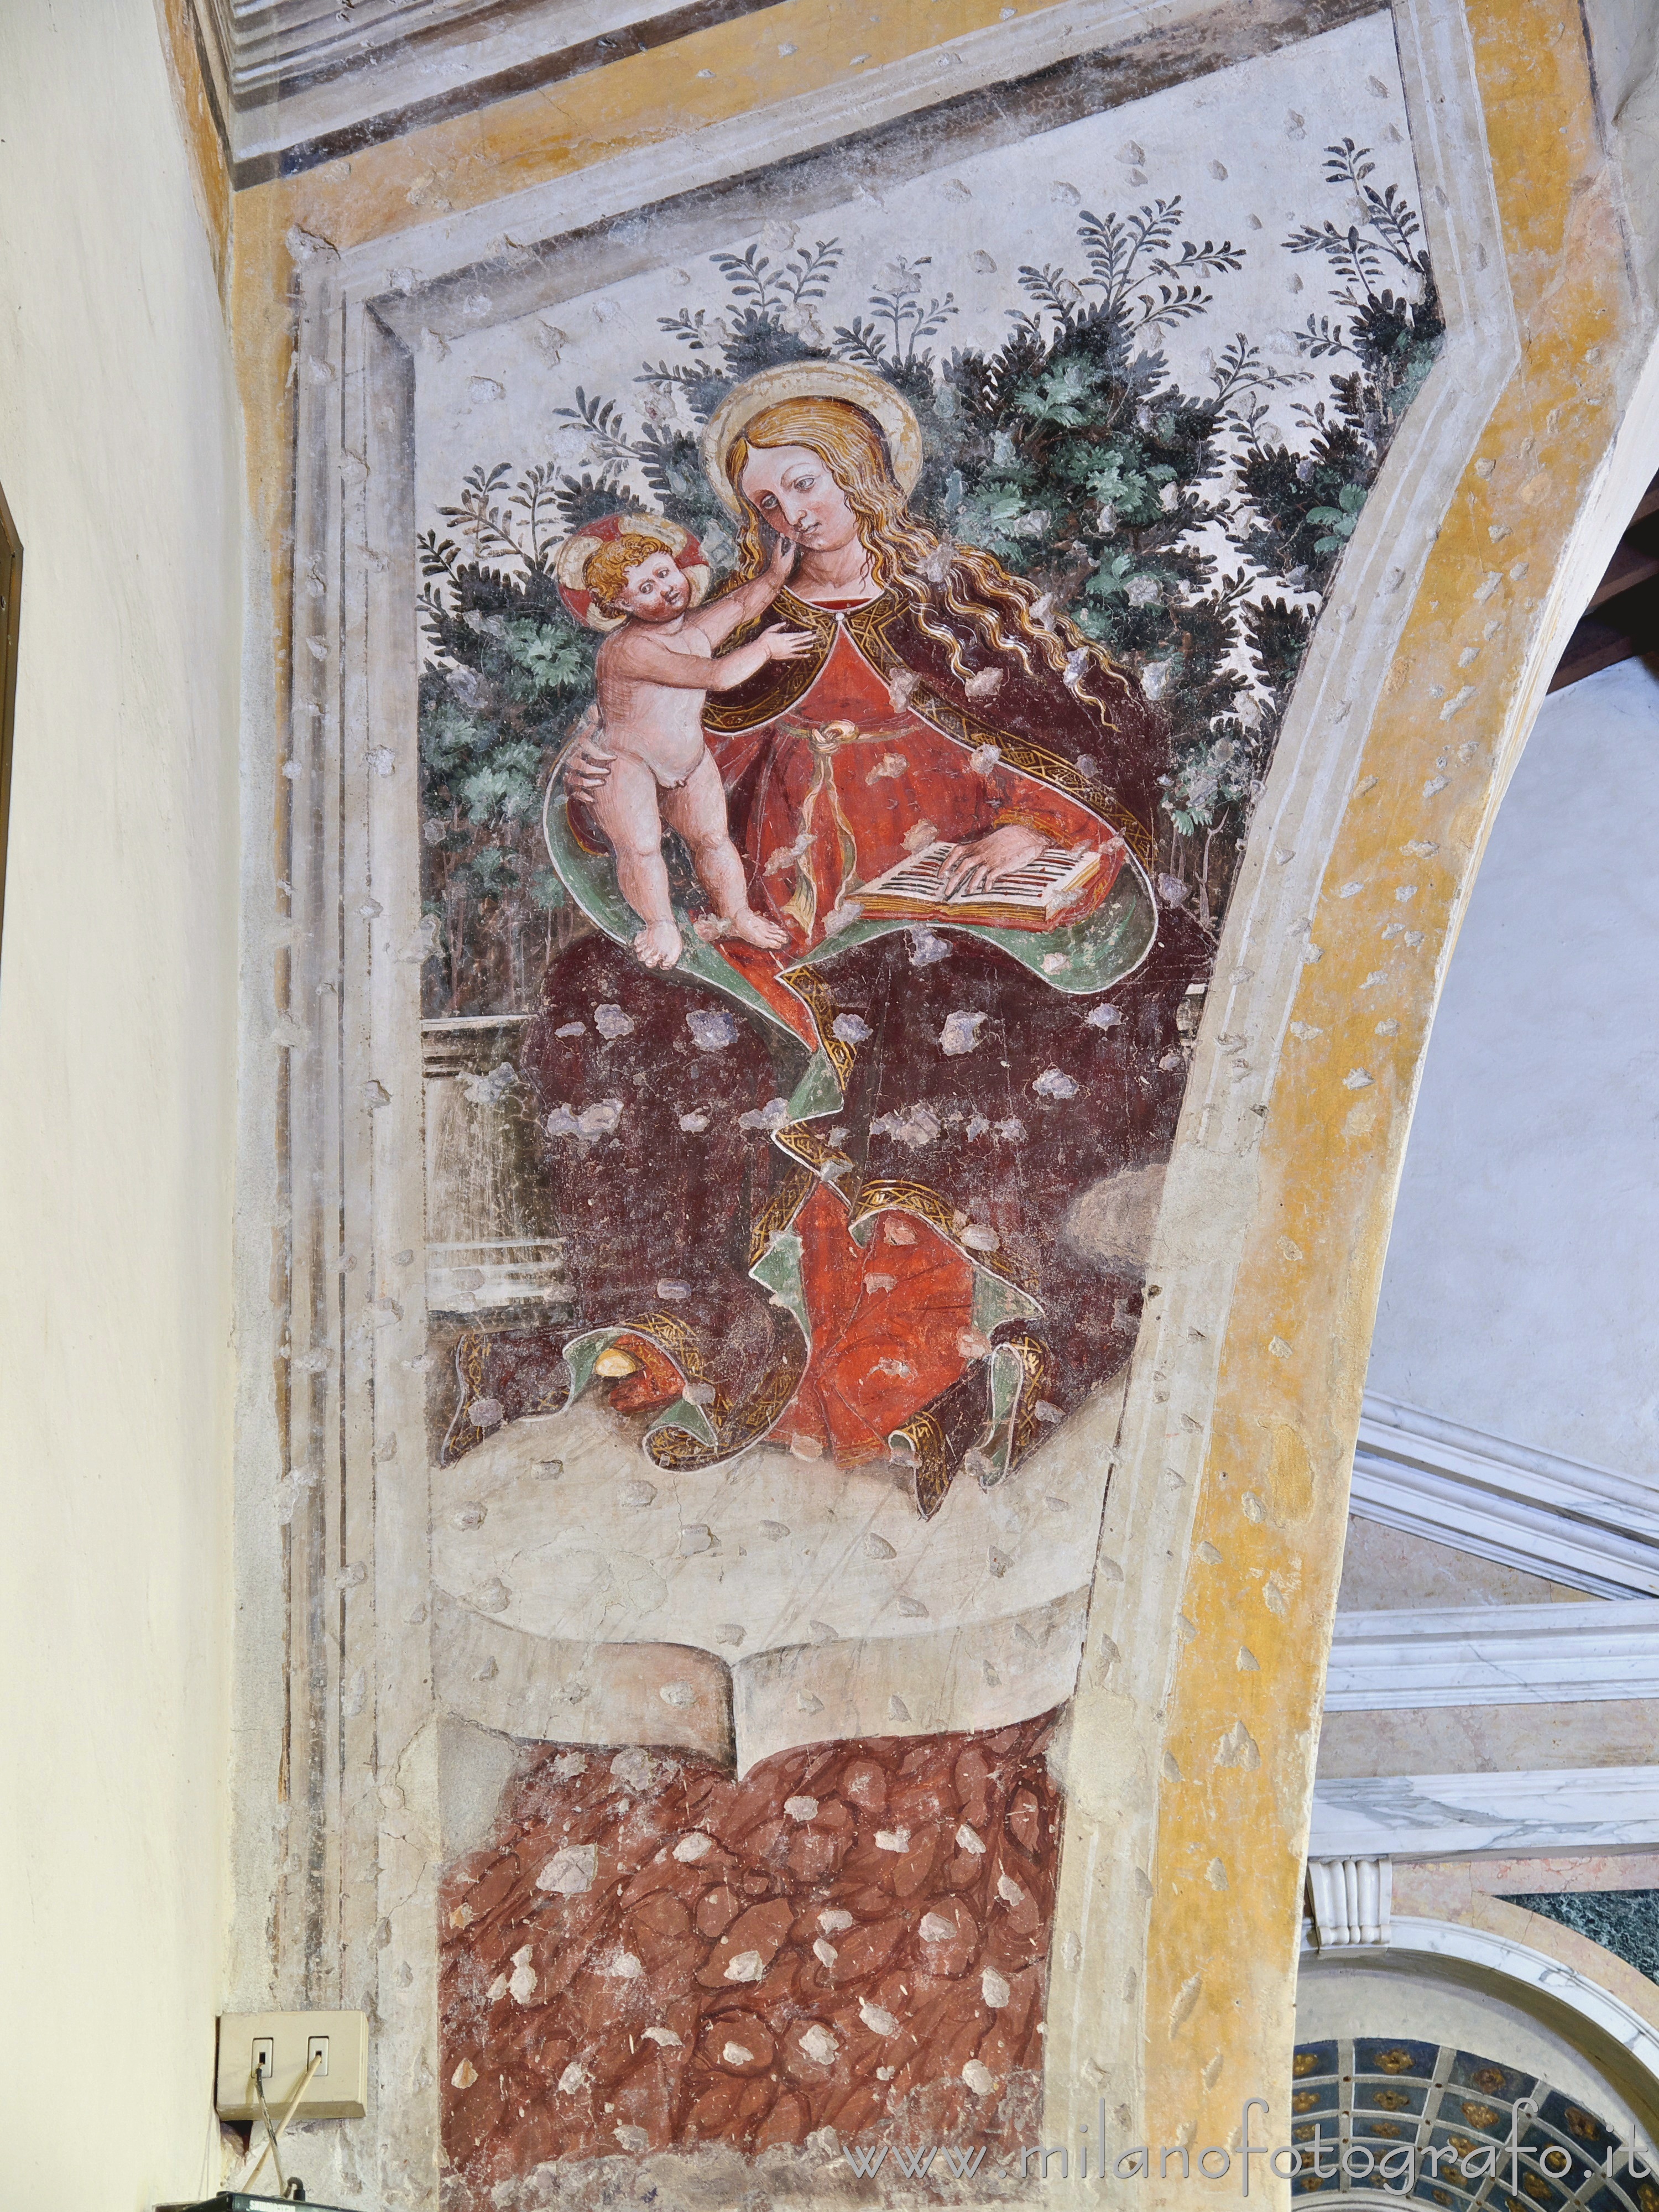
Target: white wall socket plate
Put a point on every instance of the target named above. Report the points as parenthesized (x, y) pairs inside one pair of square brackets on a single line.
[(339, 2090)]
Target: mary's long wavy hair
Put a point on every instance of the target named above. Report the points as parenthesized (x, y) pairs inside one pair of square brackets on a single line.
[(997, 608)]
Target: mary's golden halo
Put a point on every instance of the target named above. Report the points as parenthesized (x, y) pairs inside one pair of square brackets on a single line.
[(812, 380)]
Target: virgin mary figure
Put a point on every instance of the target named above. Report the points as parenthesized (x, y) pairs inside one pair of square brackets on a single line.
[(876, 1196)]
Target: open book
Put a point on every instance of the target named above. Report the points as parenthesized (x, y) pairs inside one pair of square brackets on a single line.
[(1030, 898)]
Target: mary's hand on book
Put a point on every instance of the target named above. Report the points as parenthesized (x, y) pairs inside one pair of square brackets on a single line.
[(982, 864)]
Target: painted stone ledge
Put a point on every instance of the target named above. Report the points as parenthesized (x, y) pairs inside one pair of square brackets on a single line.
[(749, 1609)]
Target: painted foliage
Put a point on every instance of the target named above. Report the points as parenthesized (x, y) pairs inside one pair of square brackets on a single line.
[(870, 1183)]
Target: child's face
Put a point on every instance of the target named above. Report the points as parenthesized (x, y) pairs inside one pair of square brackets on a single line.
[(656, 590)]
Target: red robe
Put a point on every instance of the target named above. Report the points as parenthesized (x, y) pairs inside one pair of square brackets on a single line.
[(845, 782), (939, 1175)]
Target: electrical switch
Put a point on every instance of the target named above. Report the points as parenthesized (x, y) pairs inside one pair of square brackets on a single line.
[(272, 2050)]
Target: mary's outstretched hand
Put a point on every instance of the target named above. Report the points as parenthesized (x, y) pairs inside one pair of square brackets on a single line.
[(587, 765)]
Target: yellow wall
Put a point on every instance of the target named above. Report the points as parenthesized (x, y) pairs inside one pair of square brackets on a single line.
[(119, 457)]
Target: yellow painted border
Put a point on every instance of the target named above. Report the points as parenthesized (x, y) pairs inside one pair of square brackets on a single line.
[(1457, 705), (204, 145), (734, 69)]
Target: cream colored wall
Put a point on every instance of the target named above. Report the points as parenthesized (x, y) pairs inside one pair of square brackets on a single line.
[(118, 456)]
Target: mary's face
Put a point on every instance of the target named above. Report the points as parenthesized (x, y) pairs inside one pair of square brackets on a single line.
[(792, 488)]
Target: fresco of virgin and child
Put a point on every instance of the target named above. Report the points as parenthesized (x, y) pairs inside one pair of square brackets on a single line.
[(843, 1165)]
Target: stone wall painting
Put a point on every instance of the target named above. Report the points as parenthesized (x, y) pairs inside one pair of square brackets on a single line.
[(850, 658)]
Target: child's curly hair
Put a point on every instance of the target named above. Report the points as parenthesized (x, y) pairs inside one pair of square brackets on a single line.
[(606, 572)]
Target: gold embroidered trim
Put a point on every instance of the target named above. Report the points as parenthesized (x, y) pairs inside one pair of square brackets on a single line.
[(1043, 766), (470, 1374), (783, 682), (882, 1192), (1034, 1358), (678, 1449), (820, 1000), (780, 1209), (802, 1142), (867, 627), (672, 1339)]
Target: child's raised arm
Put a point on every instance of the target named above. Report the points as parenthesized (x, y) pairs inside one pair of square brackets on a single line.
[(641, 659), (734, 607)]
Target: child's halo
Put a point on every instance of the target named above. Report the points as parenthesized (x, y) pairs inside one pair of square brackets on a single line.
[(570, 561)]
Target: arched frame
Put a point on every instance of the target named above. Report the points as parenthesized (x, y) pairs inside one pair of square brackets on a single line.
[(1575, 2017), (1188, 1770)]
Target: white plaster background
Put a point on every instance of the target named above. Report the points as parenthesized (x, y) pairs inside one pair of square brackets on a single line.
[(1243, 147), (1523, 1272)]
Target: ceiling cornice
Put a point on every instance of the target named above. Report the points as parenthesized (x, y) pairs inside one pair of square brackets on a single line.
[(1562, 1519), (1492, 1655)]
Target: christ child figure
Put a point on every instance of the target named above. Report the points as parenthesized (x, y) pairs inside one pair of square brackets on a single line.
[(657, 666)]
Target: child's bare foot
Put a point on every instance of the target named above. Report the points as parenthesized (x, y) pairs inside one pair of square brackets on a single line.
[(755, 929), (658, 945)]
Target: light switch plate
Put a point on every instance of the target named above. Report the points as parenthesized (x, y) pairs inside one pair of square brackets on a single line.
[(341, 2092)]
